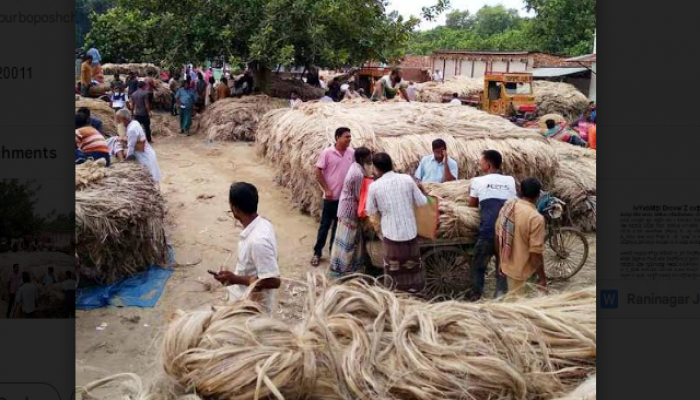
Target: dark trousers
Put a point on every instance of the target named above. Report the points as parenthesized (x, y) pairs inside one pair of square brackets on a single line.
[(69, 305), (81, 157), (10, 303), (483, 251), (145, 121), (173, 106), (329, 222)]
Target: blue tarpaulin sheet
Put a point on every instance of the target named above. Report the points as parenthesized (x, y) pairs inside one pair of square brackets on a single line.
[(141, 290)]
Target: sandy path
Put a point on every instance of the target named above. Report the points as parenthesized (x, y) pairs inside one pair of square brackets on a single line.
[(199, 229)]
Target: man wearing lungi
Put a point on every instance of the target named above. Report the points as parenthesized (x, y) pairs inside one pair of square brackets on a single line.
[(394, 196)]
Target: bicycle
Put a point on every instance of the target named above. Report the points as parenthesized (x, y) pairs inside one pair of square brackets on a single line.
[(566, 248)]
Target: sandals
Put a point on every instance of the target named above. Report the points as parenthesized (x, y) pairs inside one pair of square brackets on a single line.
[(315, 260)]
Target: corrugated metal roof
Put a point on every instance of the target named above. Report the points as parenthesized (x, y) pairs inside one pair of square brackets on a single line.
[(553, 72), (586, 58), (475, 52)]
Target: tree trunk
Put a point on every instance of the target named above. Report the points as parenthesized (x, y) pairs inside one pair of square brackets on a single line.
[(261, 74)]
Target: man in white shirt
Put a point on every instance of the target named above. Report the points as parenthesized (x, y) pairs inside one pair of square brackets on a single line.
[(437, 76), (388, 86), (393, 196), (26, 297), (294, 100), (439, 167), (455, 100), (411, 91), (489, 192), (257, 251), (138, 147)]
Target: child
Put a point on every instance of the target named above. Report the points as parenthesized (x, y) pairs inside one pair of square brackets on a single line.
[(118, 98)]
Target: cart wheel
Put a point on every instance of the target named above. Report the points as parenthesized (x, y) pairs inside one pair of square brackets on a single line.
[(447, 272), (565, 253)]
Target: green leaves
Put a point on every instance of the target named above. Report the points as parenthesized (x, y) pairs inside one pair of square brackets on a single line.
[(17, 216), (563, 27), (291, 32)]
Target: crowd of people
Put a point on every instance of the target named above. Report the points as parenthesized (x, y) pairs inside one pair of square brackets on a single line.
[(23, 292), (579, 132), (359, 188), (511, 230)]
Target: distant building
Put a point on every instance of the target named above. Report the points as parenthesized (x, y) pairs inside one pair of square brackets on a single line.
[(589, 61), (474, 64), (59, 238)]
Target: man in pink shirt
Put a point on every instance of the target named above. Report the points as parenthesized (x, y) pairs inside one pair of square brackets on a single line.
[(332, 167), (13, 284)]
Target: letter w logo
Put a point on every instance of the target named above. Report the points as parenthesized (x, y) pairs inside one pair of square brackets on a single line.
[(608, 299)]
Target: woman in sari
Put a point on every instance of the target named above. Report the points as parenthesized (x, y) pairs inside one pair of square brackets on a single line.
[(347, 255)]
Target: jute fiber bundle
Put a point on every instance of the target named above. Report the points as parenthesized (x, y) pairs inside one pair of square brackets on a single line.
[(119, 224), (236, 119), (162, 96), (293, 139), (164, 125), (101, 110), (457, 219), (141, 70), (575, 184), (357, 340), (89, 172), (587, 391), (282, 88), (435, 92), (559, 98)]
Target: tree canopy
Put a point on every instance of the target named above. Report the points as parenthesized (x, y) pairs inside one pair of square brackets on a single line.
[(269, 32), (17, 214), (328, 33), (563, 27)]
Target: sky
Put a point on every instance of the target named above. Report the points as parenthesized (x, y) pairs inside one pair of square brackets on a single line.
[(413, 7)]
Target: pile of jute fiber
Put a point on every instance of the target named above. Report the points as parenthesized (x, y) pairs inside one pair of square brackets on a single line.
[(119, 222), (141, 70), (559, 98), (236, 119), (292, 140), (586, 391), (358, 340), (575, 183), (162, 96), (457, 219), (101, 110), (437, 92)]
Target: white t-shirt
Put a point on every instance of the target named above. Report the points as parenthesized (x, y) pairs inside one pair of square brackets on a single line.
[(411, 92), (456, 102), (437, 76), (27, 295), (493, 186), (257, 256), (326, 99), (68, 284), (386, 80)]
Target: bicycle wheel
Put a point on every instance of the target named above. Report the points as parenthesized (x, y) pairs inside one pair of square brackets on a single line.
[(446, 272), (566, 252)]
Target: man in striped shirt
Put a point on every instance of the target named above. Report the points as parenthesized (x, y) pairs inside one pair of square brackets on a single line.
[(89, 142), (394, 196)]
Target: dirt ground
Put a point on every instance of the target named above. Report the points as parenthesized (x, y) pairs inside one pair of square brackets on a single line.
[(197, 175)]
